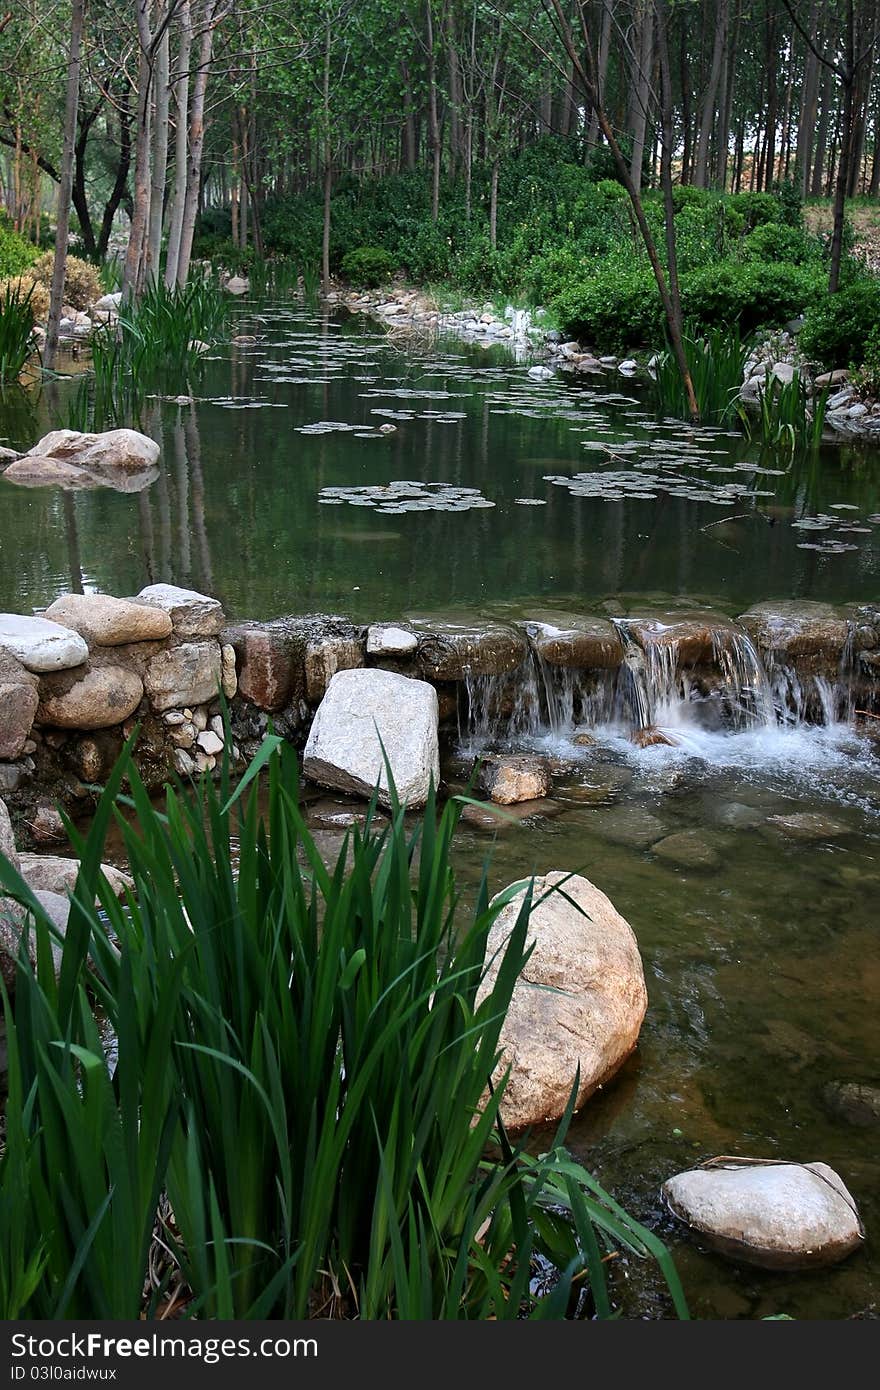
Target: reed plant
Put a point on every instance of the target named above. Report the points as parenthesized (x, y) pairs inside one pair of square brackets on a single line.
[(161, 335), (16, 330), (297, 1086), (716, 360), (789, 421)]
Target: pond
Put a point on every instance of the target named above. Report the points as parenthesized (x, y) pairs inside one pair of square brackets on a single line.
[(761, 945), (591, 496)]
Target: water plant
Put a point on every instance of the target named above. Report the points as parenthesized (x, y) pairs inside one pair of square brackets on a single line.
[(163, 333), (297, 1095), (789, 420), (16, 331), (716, 361)]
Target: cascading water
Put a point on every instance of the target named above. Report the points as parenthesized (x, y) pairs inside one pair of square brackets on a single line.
[(660, 683)]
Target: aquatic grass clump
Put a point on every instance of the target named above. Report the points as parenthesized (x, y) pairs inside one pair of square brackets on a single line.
[(790, 420), (16, 330), (300, 1073), (716, 361), (163, 333)]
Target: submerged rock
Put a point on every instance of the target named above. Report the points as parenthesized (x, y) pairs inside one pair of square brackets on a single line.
[(808, 825), (514, 777), (779, 1215), (363, 712), (854, 1102), (578, 1003), (687, 850), (632, 826)]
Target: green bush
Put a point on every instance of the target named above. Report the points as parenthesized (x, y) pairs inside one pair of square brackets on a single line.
[(752, 295), (16, 254), (756, 208), (776, 241), (837, 326), (301, 1071), (867, 376), (613, 308), (368, 265)]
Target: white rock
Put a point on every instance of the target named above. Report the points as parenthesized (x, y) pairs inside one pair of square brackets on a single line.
[(108, 303), (108, 453), (56, 873), (186, 675), (839, 398), (362, 711), (192, 614), (856, 411), (629, 366), (540, 373), (780, 1215), (41, 645), (390, 641), (210, 743), (579, 1002), (783, 372), (237, 285)]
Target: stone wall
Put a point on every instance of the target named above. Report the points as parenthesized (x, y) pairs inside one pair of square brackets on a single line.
[(76, 680)]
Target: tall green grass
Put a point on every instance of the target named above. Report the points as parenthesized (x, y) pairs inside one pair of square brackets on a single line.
[(716, 361), (16, 332), (301, 1060), (157, 337), (789, 420)]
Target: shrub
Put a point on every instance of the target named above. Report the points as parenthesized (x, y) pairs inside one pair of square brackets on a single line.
[(837, 326), (26, 289), (756, 208), (615, 307), (82, 280), (776, 241), (368, 265), (16, 254), (753, 295), (302, 1064), (867, 376)]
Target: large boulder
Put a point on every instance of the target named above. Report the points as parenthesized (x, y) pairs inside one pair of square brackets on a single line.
[(41, 645), (364, 711), (96, 699), (293, 658), (575, 640), (18, 705), (186, 675), (105, 621), (779, 1215), (192, 614), (579, 1002), (120, 459)]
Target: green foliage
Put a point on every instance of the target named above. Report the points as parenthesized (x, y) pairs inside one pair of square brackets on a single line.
[(716, 363), (752, 295), (16, 330), (302, 1057), (16, 254), (368, 265), (775, 241), (756, 209), (867, 376), (837, 327), (612, 308)]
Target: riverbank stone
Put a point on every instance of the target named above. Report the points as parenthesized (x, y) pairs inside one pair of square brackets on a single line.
[(104, 621), (572, 640), (579, 1001), (18, 705), (454, 651), (363, 711), (777, 1215), (183, 676), (193, 615), (41, 645), (111, 458), (96, 699)]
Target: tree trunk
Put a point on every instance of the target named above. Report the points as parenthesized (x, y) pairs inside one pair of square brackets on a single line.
[(62, 229), (807, 120), (196, 141), (848, 79), (161, 99), (822, 135), (141, 210), (433, 120), (708, 109), (640, 91), (601, 70), (181, 105)]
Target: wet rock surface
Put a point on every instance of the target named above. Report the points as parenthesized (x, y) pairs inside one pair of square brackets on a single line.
[(779, 1215), (579, 1002), (508, 778)]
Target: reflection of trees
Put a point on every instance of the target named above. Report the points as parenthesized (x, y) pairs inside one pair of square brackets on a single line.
[(179, 500), (72, 536)]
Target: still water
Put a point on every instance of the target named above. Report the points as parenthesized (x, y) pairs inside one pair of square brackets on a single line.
[(763, 958), (559, 490)]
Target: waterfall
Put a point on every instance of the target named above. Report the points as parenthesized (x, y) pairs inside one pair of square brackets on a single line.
[(706, 676)]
